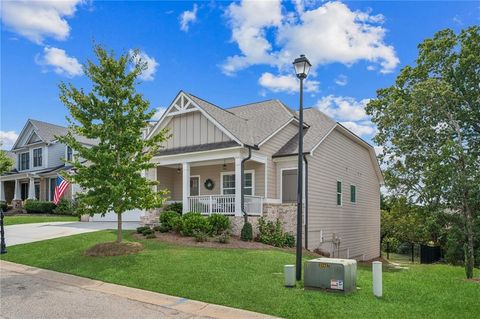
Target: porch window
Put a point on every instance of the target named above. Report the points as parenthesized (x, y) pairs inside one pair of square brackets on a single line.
[(37, 157), (24, 161), (289, 185), (228, 183)]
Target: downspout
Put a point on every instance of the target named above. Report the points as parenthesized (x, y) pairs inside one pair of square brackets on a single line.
[(242, 169), (306, 201)]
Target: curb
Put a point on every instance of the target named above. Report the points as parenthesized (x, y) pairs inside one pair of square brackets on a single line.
[(193, 307)]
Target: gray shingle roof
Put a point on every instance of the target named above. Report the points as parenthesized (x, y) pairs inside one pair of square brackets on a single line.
[(250, 123), (48, 132), (320, 125)]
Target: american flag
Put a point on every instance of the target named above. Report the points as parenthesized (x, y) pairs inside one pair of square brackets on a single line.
[(61, 187)]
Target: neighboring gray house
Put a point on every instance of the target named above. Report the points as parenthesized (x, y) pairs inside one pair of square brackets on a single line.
[(200, 165), (39, 157)]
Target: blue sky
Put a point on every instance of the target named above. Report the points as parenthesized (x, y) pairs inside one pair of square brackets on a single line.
[(227, 53)]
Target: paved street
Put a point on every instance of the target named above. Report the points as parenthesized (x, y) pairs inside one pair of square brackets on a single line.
[(30, 292), (27, 233), (25, 296)]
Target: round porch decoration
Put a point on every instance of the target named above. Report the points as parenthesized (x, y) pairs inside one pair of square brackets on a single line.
[(209, 184)]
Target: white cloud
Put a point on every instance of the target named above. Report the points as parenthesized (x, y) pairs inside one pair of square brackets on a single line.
[(7, 139), (341, 80), (378, 149), (329, 33), (158, 113), (343, 108), (59, 61), (188, 17), (286, 83), (249, 22), (359, 129), (37, 20), (152, 65)]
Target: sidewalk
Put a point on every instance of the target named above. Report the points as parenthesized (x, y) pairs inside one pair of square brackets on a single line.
[(21, 283)]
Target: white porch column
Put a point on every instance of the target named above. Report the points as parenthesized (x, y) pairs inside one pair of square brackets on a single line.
[(18, 194), (238, 186), (185, 185), (31, 188), (2, 191)]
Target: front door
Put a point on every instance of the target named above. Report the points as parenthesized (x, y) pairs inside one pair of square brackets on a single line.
[(194, 185), (24, 191)]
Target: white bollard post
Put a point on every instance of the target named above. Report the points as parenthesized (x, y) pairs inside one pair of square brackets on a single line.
[(377, 278), (289, 272)]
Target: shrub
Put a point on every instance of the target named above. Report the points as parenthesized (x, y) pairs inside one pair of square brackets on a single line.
[(66, 207), (148, 231), (141, 229), (194, 222), (247, 232), (289, 240), (163, 229), (150, 236), (271, 233), (167, 217), (219, 223), (3, 206), (156, 228), (175, 207), (177, 224), (200, 236), (224, 238), (36, 206)]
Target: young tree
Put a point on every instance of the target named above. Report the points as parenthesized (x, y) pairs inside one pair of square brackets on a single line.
[(115, 115), (429, 126)]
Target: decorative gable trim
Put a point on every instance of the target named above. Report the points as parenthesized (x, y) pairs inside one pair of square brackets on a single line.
[(23, 132), (183, 104)]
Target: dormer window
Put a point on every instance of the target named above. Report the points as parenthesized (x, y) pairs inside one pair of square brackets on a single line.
[(37, 157), (24, 161), (69, 156)]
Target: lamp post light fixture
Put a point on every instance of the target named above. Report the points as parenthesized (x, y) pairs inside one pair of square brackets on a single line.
[(302, 67)]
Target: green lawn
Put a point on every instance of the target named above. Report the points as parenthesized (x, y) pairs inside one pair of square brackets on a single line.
[(253, 280), (28, 219)]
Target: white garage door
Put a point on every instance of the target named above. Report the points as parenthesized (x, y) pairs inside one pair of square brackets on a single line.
[(128, 216)]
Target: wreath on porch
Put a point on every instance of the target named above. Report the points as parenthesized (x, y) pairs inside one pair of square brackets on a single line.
[(209, 184)]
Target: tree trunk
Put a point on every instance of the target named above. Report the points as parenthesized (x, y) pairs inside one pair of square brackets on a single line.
[(413, 251), (468, 248), (119, 228)]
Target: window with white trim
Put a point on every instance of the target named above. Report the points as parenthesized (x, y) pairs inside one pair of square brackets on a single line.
[(23, 161), (339, 193), (37, 157), (228, 183), (69, 156), (353, 193)]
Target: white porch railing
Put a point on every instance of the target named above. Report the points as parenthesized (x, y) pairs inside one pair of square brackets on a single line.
[(224, 204)]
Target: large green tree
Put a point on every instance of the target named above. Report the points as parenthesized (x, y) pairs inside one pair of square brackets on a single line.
[(429, 126), (115, 116), (6, 163)]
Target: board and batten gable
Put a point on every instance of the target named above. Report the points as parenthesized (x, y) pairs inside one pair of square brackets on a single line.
[(340, 158), (272, 146), (192, 128)]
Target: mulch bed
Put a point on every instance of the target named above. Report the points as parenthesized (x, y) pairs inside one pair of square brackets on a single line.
[(114, 249), (212, 242), (475, 280)]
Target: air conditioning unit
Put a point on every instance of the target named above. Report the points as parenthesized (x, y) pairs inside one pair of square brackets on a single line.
[(331, 274)]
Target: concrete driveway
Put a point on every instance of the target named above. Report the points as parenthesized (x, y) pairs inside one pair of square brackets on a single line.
[(27, 233)]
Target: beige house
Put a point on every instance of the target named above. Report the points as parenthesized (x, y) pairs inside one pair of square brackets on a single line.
[(202, 163)]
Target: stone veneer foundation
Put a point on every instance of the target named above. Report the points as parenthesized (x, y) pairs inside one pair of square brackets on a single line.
[(286, 213)]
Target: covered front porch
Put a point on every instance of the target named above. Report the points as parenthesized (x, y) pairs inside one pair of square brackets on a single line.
[(210, 182)]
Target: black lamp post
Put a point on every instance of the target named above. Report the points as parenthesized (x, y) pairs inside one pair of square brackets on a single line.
[(3, 246), (302, 66)]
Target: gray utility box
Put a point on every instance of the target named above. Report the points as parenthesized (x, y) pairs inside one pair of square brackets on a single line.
[(331, 274)]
